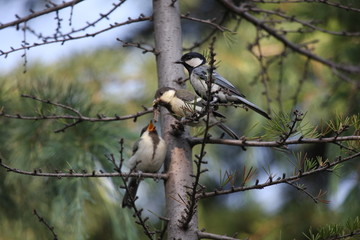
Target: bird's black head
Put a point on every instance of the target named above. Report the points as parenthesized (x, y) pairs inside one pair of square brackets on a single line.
[(163, 96), (192, 60), (161, 91)]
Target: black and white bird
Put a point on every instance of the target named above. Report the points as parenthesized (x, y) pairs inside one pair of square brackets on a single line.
[(222, 91), (183, 104), (148, 156)]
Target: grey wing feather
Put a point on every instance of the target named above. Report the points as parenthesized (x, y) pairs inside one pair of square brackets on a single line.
[(185, 95), (189, 97), (136, 146), (222, 82), (202, 73)]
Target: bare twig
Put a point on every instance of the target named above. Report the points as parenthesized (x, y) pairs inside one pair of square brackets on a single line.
[(306, 24), (210, 22), (345, 236), (206, 235), (303, 189), (69, 37), (47, 225), (73, 174), (326, 2), (209, 36), (40, 13), (295, 47), (78, 117), (326, 167), (301, 82), (103, 16), (246, 143), (139, 45), (192, 202)]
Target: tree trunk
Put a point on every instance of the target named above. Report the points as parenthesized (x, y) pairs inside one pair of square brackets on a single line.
[(178, 164)]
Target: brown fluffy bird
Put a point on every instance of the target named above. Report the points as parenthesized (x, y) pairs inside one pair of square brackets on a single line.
[(184, 104)]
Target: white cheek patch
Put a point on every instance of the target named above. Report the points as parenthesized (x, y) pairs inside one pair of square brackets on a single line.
[(194, 62), (168, 96)]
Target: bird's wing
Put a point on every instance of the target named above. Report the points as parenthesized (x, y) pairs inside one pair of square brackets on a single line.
[(185, 95), (189, 97), (202, 73), (136, 146), (222, 82)]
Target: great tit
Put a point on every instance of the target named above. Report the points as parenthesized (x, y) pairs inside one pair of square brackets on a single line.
[(222, 90), (148, 156), (183, 104)]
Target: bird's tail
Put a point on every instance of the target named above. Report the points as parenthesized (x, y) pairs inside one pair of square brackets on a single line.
[(226, 129), (253, 107), (129, 197)]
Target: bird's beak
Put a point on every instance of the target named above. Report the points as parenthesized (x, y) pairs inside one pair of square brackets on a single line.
[(178, 62), (156, 102), (151, 127)]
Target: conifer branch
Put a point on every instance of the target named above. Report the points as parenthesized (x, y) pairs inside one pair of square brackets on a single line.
[(270, 182)]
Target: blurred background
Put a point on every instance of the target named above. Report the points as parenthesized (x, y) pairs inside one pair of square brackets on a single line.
[(98, 75)]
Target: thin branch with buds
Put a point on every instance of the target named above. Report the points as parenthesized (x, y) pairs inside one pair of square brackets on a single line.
[(69, 37), (138, 45), (78, 116), (246, 143), (243, 12), (208, 21), (47, 225), (326, 2), (191, 204), (117, 167), (49, 9), (270, 182), (84, 173)]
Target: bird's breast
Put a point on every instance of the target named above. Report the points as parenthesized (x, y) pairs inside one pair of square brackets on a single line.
[(181, 108), (148, 157)]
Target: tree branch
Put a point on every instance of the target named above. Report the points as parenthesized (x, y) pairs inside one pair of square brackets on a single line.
[(68, 37), (207, 235), (78, 118), (271, 182), (47, 225), (326, 2), (40, 13), (208, 21), (73, 174), (243, 12), (246, 143), (192, 202), (306, 24)]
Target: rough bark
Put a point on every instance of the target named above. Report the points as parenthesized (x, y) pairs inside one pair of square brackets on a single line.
[(168, 44)]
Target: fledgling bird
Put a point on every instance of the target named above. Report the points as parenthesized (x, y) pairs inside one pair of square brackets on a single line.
[(222, 90), (182, 104), (148, 156)]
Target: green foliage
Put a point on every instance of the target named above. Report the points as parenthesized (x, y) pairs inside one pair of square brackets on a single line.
[(285, 126), (77, 208), (350, 230), (280, 82)]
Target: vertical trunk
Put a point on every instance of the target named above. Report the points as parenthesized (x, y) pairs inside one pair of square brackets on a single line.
[(178, 163)]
